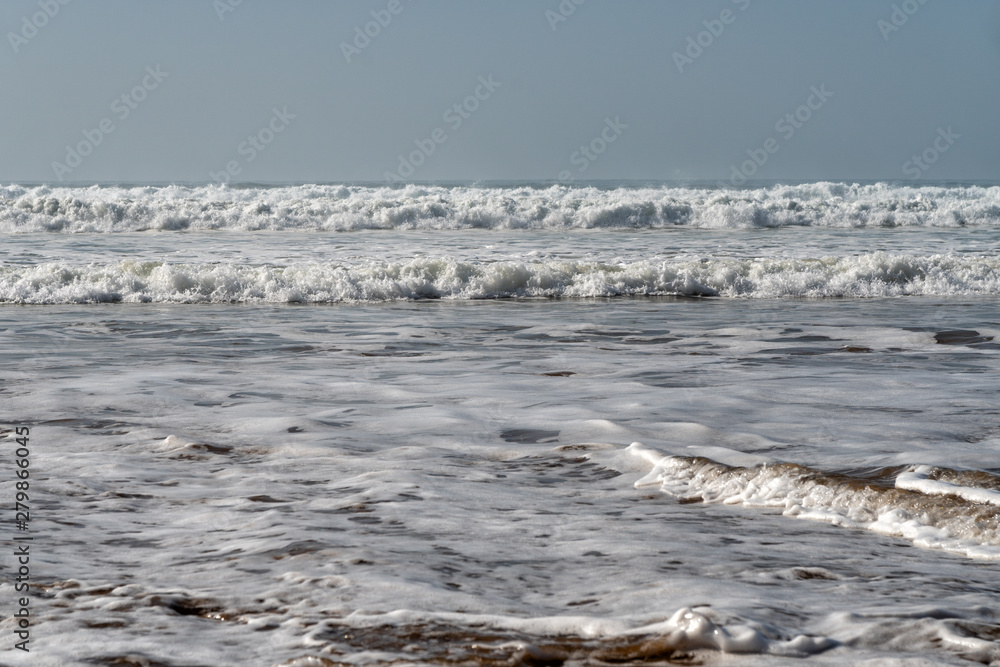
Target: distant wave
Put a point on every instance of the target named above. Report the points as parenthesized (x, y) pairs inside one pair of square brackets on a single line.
[(868, 275), (346, 208)]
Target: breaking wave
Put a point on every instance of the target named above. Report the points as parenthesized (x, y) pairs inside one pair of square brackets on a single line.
[(964, 519), (26, 209), (869, 275)]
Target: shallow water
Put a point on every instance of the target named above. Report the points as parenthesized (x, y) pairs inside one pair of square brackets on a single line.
[(275, 482)]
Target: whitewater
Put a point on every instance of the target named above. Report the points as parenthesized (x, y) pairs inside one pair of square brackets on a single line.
[(515, 424), (110, 209)]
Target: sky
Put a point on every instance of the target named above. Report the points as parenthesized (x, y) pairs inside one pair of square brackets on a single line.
[(324, 91)]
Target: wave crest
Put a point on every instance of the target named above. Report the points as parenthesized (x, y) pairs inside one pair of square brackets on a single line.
[(958, 522), (870, 275), (96, 209)]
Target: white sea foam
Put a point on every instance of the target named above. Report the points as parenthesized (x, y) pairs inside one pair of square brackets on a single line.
[(869, 275), (957, 525), (412, 481), (922, 479), (345, 208)]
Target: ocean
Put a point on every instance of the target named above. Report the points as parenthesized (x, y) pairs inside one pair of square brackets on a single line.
[(501, 424)]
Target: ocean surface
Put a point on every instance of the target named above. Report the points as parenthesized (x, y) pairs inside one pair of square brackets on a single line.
[(523, 424)]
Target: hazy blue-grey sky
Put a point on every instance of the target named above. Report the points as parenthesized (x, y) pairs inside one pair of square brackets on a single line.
[(625, 79)]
